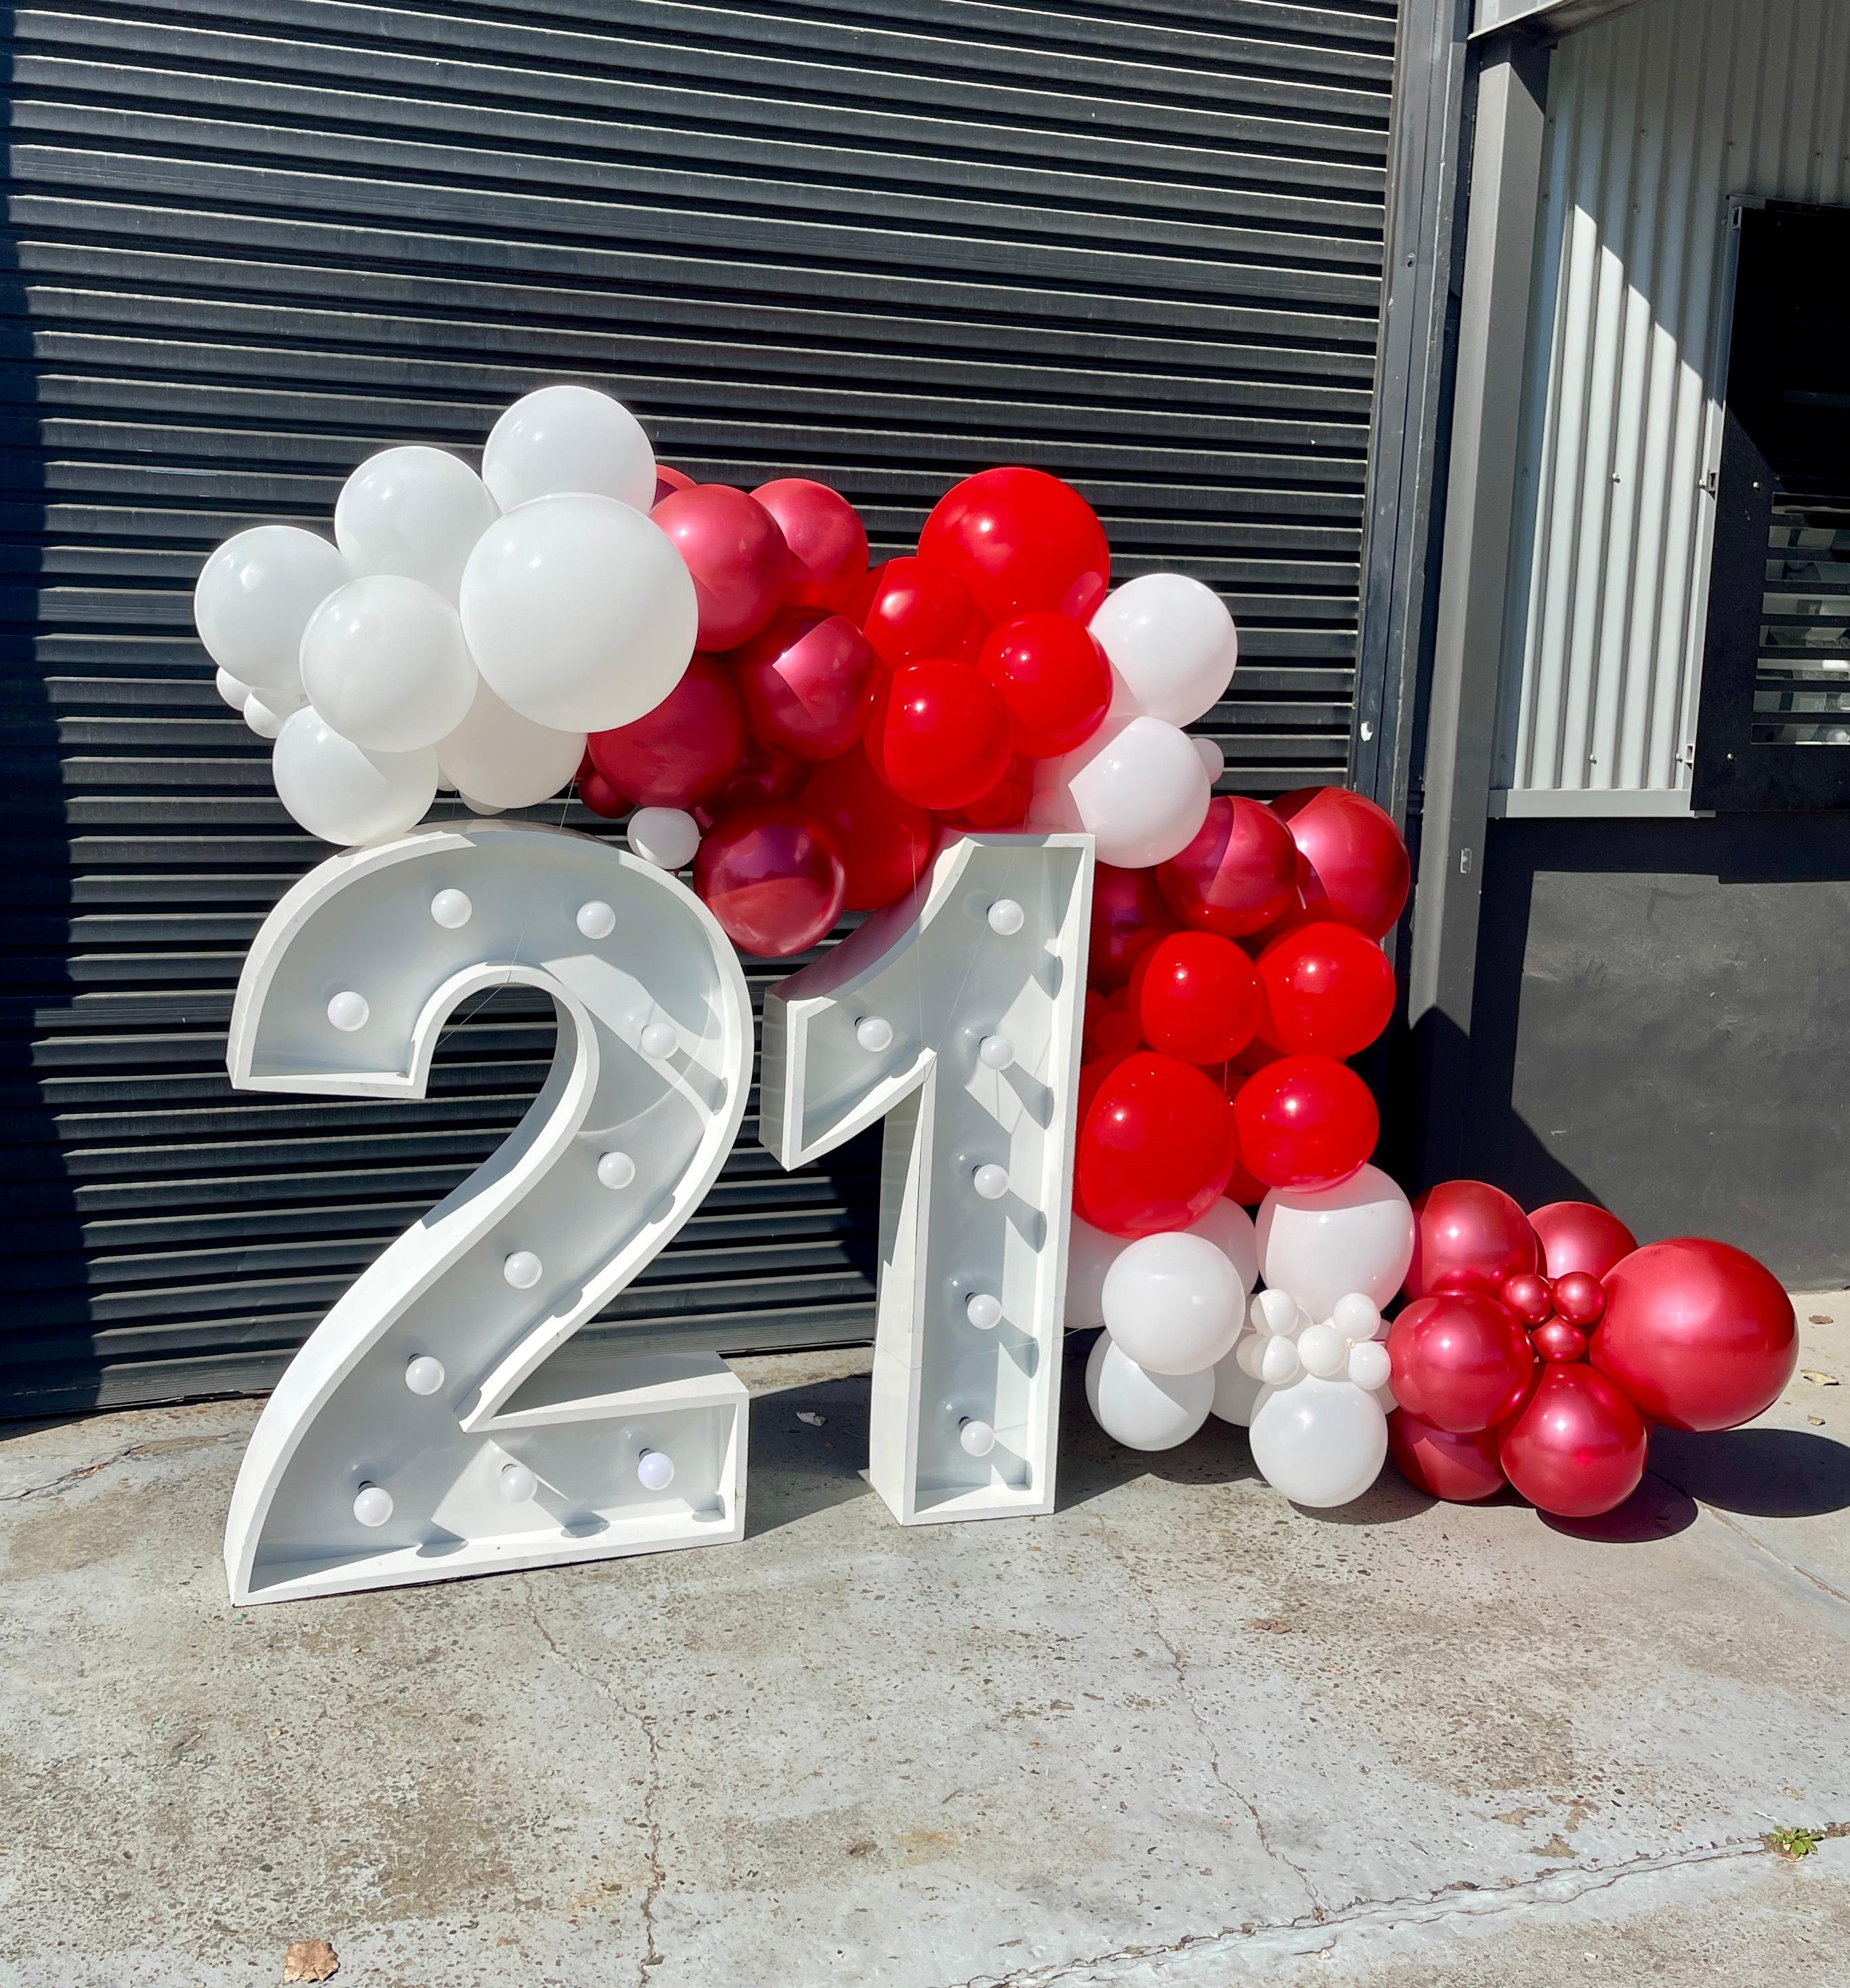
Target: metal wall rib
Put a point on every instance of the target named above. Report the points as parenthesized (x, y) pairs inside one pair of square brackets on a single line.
[(884, 243)]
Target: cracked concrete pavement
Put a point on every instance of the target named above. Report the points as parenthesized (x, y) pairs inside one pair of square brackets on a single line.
[(1178, 1732)]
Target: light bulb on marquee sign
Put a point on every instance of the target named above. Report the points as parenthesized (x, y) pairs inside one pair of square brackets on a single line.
[(436, 1422)]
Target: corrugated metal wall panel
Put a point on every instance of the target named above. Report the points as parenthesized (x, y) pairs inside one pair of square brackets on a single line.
[(1656, 119), (884, 243)]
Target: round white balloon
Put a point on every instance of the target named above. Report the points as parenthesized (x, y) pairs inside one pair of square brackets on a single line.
[(415, 511), (1369, 1365), (1174, 1303), (340, 791), (1320, 1442), (1322, 1243), (1172, 644), (565, 439), (579, 612), (1090, 1252), (1210, 755), (384, 662), (266, 711), (668, 837), (1137, 786), (1236, 1388), (235, 694), (1141, 1410), (496, 758), (1228, 1226), (253, 598)]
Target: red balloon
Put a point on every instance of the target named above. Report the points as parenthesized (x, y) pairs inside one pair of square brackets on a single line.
[(668, 481), (600, 797), (1700, 1335), (763, 775), (684, 750), (1576, 1236), (1110, 1031), (737, 555), (1578, 1448), (1245, 1186), (1128, 917), (1460, 1469), (1461, 1362), (806, 685), (1197, 997), (827, 540), (1005, 804), (913, 611), (1239, 873), (939, 736), (1355, 866), (1579, 1299), (1305, 1121), (1557, 1340), (1469, 1236), (772, 878), (1051, 674), (1022, 542), (1328, 991), (1530, 1297), (1155, 1147), (885, 844)]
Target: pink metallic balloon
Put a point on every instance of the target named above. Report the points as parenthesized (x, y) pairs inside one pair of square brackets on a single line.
[(1355, 866), (1469, 1236), (668, 481), (1698, 1334), (1578, 1448), (1576, 1236), (772, 878), (1459, 1362), (1460, 1469), (684, 750), (1530, 1297), (1557, 1340), (1579, 1299), (827, 540), (1238, 876), (807, 683), (737, 555)]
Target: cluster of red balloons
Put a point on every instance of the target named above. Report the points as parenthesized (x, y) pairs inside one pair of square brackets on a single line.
[(1539, 1348), (836, 719), (1227, 989)]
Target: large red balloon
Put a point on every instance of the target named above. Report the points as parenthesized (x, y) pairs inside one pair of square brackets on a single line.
[(1355, 866), (1003, 806), (736, 555), (1328, 991), (1237, 875), (1460, 1469), (827, 540), (1576, 1236), (600, 797), (1461, 1362), (1155, 1147), (1469, 1236), (1578, 1448), (763, 775), (939, 737), (684, 750), (885, 843), (1128, 917), (1197, 997), (807, 683), (913, 611), (772, 878), (1052, 677), (1305, 1121), (1022, 542), (1111, 1032), (1700, 1334)]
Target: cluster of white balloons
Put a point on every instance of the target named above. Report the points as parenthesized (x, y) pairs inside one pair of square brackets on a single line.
[(1301, 1365), (1140, 785), (462, 631)]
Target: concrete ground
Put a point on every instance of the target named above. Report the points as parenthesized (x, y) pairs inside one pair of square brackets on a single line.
[(1179, 1733)]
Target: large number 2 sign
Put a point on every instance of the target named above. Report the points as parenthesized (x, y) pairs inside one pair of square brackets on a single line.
[(425, 1429)]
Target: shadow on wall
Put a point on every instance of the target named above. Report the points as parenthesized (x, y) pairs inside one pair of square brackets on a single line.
[(1663, 1025)]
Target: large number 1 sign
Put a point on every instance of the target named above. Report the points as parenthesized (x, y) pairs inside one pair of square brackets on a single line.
[(432, 1426)]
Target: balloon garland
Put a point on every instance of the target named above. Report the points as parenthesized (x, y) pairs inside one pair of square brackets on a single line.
[(727, 671)]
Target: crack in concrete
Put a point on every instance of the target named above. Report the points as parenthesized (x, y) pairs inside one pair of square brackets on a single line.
[(135, 1453), (1754, 1539)]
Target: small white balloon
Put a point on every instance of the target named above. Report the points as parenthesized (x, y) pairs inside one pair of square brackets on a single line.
[(372, 1505), (413, 511), (596, 919), (479, 807), (996, 1052), (1320, 1442), (518, 1483), (874, 1033), (384, 662), (1142, 1410), (659, 1040), (1323, 1351), (984, 1310), (424, 1375), (341, 792), (348, 1011), (1322, 1243), (1172, 1302), (498, 759), (1357, 1316), (253, 598), (1172, 645), (1275, 1312), (990, 1180), (668, 837), (568, 438), (235, 694), (1250, 1354), (1278, 1363), (1213, 761), (1137, 786), (451, 909), (1228, 1226), (977, 1438), (654, 1470), (1369, 1366), (1237, 1385), (266, 712), (522, 1269), (615, 1169), (1006, 918)]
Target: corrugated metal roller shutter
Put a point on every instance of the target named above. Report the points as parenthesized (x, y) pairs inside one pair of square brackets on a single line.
[(882, 244)]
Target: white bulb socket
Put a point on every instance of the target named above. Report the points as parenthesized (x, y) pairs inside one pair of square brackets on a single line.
[(654, 1471), (424, 1375), (615, 1170), (984, 1311), (522, 1269), (990, 1180), (874, 1033), (1006, 918), (372, 1505), (348, 1011), (451, 909), (996, 1052), (596, 919)]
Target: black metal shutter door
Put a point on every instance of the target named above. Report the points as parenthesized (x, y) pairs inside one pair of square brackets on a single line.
[(883, 242)]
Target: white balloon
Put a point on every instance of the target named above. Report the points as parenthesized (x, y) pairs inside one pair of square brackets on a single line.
[(1320, 1442), (1210, 756), (1172, 1302), (1369, 1366), (1323, 1351), (1173, 647), (253, 598), (569, 439), (384, 662), (1356, 1317), (1322, 1243), (235, 694), (1278, 1362), (1236, 1385), (1141, 1410), (413, 511), (496, 758), (1090, 1252), (1276, 1312), (668, 837), (579, 612), (1137, 786), (1228, 1226), (266, 711), (341, 792)]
